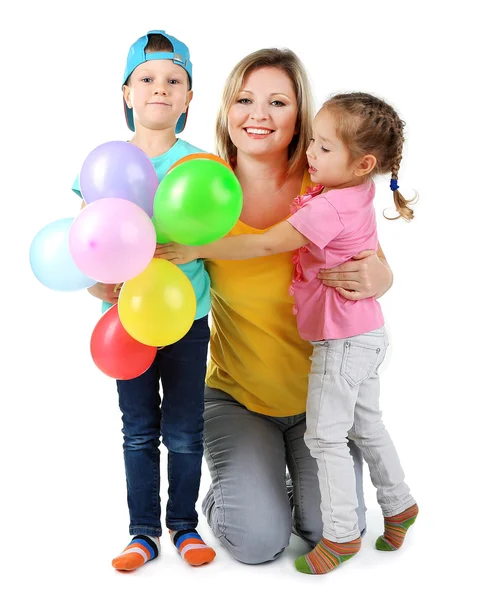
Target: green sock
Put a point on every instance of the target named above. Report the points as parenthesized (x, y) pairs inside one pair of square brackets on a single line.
[(326, 556), (395, 529)]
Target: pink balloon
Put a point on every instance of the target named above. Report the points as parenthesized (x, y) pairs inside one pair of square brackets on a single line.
[(112, 240)]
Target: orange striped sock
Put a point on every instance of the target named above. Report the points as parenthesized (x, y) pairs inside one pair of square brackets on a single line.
[(191, 547), (326, 556), (395, 529), (141, 549)]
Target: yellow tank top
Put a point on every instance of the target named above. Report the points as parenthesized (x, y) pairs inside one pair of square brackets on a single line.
[(257, 355)]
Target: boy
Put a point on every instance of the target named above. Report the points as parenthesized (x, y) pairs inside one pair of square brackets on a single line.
[(157, 90)]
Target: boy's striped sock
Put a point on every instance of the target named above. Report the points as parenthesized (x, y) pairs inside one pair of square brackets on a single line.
[(191, 547), (326, 556), (141, 549), (395, 529)]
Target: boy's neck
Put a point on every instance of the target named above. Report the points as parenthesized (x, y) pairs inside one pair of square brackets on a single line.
[(154, 142)]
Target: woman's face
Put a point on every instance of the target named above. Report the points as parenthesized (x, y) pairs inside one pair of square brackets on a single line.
[(261, 121)]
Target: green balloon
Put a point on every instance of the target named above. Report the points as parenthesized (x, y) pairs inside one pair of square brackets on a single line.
[(161, 237), (197, 202)]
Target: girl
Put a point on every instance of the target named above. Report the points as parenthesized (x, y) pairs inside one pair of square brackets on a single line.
[(355, 136)]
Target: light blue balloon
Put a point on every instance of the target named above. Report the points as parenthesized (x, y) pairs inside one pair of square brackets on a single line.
[(52, 262)]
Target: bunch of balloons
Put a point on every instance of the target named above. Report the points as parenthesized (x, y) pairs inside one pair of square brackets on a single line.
[(113, 240)]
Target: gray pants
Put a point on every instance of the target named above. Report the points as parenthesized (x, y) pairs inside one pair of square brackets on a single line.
[(342, 404), (247, 505)]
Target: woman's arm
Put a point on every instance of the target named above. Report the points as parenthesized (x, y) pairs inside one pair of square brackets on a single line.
[(281, 238), (366, 275)]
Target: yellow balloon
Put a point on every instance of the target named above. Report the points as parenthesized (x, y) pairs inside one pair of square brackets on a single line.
[(158, 306)]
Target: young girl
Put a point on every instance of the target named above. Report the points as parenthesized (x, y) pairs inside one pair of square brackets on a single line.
[(355, 136)]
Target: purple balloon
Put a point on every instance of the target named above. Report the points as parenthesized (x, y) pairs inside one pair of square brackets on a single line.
[(119, 170), (112, 240)]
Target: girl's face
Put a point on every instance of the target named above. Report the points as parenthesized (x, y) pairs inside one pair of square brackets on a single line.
[(328, 157), (158, 93), (261, 121)]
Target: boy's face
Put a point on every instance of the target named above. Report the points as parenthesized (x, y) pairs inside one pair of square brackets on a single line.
[(158, 92)]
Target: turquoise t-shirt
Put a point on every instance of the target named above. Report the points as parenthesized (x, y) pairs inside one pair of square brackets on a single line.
[(195, 270)]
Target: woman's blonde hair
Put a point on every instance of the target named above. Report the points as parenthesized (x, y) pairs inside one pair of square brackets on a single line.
[(288, 62)]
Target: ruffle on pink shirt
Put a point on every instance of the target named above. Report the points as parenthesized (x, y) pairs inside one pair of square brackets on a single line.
[(298, 203)]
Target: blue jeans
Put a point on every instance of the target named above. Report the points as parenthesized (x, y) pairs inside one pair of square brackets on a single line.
[(181, 367)]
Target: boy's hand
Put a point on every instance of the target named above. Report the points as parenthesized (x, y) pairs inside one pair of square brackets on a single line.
[(109, 292), (176, 253)]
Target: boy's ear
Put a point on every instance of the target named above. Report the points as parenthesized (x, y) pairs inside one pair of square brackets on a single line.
[(189, 97), (365, 165), (126, 92)]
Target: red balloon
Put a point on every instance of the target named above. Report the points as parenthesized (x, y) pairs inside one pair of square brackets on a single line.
[(115, 352)]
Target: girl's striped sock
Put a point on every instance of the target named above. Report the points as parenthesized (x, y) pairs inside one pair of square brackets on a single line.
[(395, 529), (191, 547), (141, 549), (326, 556)]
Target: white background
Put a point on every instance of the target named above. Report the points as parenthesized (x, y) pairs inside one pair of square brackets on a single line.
[(64, 513)]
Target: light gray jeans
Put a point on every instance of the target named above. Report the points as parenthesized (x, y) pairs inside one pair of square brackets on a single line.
[(247, 505), (342, 405)]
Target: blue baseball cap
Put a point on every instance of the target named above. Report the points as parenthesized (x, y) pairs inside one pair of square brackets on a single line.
[(137, 55)]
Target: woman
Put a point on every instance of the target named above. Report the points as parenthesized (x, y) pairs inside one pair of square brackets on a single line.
[(257, 376)]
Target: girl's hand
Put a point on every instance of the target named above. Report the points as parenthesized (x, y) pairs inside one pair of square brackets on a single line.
[(365, 276), (109, 292), (176, 253)]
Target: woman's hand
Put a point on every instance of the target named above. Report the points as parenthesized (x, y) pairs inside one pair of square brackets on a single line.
[(109, 292), (364, 276), (176, 253)]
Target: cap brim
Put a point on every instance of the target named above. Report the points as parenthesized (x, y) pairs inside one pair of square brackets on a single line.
[(181, 124), (129, 116)]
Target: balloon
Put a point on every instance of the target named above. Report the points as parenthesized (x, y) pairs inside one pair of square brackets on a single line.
[(197, 203), (115, 352), (52, 262), (204, 155), (112, 240), (158, 306), (161, 238), (119, 170)]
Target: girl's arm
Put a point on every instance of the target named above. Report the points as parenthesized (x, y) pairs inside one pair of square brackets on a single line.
[(281, 238)]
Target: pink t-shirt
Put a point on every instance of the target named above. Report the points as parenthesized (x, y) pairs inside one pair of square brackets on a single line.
[(339, 225)]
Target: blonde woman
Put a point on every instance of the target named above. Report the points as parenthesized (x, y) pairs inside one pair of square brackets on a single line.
[(258, 372)]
